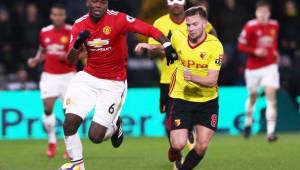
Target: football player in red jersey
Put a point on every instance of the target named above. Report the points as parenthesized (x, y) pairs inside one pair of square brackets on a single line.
[(102, 84), (54, 41), (259, 41)]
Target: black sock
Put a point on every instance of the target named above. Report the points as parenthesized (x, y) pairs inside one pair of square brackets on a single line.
[(192, 160)]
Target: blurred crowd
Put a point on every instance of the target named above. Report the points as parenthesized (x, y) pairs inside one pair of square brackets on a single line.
[(21, 21)]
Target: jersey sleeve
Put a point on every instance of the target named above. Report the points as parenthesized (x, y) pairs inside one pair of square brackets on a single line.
[(41, 42), (74, 36), (138, 26), (216, 57), (243, 41), (152, 40)]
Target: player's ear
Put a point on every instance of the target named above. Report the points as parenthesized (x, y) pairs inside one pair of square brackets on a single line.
[(204, 22)]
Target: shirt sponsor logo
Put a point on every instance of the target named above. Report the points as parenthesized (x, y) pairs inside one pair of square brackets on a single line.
[(97, 45), (55, 49), (192, 63)]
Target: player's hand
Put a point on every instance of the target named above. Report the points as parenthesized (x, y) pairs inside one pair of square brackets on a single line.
[(81, 39), (141, 48), (261, 52), (171, 54), (32, 62), (187, 75)]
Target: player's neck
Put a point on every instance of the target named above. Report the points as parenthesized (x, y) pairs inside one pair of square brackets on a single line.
[(59, 26), (263, 22), (178, 19), (197, 41), (95, 20)]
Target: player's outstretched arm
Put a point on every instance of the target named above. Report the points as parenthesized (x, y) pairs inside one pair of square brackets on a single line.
[(209, 81), (39, 57), (157, 50)]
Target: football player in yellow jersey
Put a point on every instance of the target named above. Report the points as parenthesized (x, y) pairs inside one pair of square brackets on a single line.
[(193, 89)]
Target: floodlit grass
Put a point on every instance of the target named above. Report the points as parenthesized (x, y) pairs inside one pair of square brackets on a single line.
[(225, 153)]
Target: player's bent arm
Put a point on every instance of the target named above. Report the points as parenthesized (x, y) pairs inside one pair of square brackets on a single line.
[(152, 50), (209, 81), (39, 57)]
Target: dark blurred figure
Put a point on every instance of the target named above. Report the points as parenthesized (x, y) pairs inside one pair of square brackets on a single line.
[(21, 81), (5, 39), (290, 29), (31, 26), (231, 19), (290, 49)]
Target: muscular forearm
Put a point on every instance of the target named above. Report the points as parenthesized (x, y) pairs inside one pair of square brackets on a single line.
[(204, 81), (156, 51)]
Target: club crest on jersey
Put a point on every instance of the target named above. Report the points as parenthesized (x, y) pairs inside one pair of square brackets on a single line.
[(107, 30), (64, 39), (130, 18), (202, 55), (68, 102), (273, 32), (97, 43), (177, 122)]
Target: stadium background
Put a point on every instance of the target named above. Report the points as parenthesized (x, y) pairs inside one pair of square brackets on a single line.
[(21, 108)]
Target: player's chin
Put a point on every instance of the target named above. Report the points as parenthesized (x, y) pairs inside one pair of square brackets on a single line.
[(97, 14)]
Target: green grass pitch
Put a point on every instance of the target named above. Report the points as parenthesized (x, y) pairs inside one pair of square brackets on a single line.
[(225, 153)]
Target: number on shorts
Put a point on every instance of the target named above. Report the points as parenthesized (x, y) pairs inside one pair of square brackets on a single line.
[(111, 109)]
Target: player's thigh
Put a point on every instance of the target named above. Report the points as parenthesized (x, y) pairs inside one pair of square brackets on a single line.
[(271, 77), (49, 85), (271, 93), (80, 96), (206, 114), (179, 121), (253, 79), (64, 83), (203, 136), (109, 102), (178, 138)]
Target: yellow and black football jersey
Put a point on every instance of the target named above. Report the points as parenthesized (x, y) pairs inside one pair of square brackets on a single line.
[(205, 56)]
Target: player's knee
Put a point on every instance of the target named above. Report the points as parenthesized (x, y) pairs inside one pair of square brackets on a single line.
[(48, 110), (96, 138), (253, 96), (70, 127), (201, 148), (178, 145)]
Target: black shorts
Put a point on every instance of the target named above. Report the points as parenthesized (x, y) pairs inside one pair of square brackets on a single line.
[(185, 114), (164, 98)]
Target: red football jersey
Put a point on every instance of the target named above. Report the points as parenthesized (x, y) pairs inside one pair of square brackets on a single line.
[(55, 42), (255, 35), (106, 46)]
